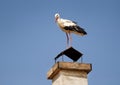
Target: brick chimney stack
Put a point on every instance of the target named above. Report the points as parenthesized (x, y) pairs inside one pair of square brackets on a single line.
[(69, 73)]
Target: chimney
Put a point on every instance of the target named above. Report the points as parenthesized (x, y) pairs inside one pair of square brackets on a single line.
[(69, 73)]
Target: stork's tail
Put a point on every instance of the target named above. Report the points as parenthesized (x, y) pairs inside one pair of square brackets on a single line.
[(79, 30)]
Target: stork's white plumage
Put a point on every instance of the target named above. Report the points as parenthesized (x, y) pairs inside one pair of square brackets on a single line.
[(69, 27)]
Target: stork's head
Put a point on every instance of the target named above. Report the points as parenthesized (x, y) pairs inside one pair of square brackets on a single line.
[(57, 16)]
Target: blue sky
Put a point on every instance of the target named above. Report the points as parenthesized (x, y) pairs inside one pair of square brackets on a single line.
[(30, 39)]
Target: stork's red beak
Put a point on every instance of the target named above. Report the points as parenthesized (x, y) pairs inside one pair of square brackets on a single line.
[(56, 19)]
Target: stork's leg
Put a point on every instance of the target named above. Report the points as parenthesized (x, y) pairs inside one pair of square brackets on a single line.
[(70, 39), (67, 40)]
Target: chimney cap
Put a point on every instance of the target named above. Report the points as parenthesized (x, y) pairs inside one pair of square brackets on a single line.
[(71, 53)]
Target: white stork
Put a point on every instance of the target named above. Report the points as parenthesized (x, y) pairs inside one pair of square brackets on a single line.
[(69, 27)]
